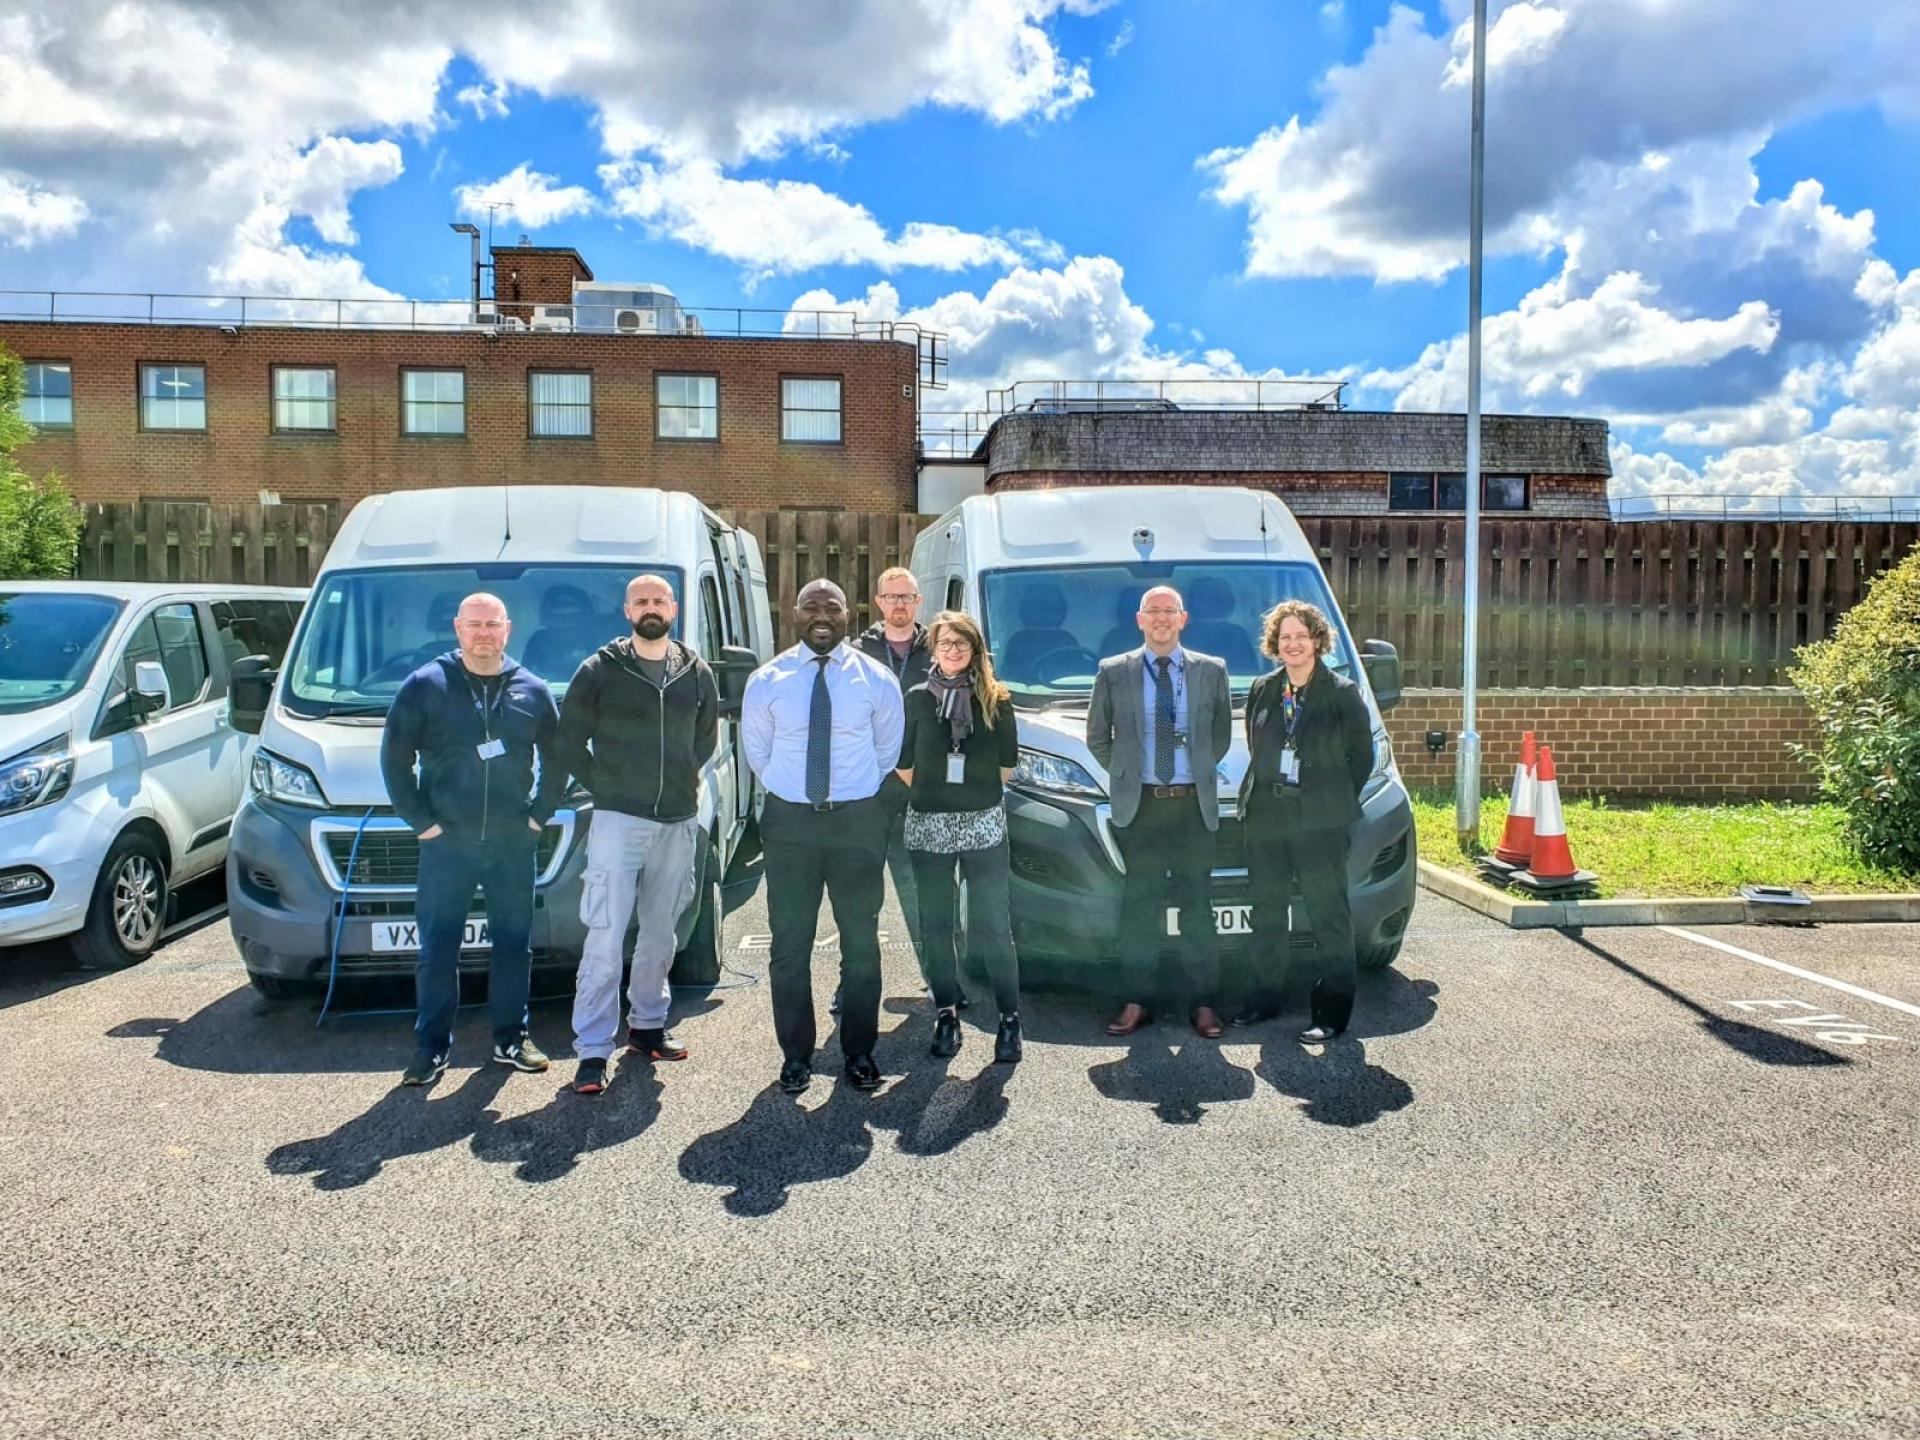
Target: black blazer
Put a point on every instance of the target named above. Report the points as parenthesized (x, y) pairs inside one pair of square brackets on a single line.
[(1333, 738)]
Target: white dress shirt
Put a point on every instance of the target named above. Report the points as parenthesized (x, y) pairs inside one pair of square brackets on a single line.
[(868, 722)]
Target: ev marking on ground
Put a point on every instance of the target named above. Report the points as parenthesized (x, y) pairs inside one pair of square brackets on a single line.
[(1839, 1031), (1859, 992)]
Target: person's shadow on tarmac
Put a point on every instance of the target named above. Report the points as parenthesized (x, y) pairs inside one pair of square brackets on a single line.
[(404, 1121)]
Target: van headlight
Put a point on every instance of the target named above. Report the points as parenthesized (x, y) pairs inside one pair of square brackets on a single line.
[(1037, 770), (1382, 771), (278, 779), (36, 777)]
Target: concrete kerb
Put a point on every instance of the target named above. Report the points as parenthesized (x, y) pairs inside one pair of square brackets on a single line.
[(1574, 914)]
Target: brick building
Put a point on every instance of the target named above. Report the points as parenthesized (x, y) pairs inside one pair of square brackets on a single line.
[(1321, 460), (226, 406)]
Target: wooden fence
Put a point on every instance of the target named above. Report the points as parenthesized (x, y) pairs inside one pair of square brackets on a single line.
[(1563, 603)]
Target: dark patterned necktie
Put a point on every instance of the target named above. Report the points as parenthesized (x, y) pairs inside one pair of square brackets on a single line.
[(1163, 719), (820, 737)]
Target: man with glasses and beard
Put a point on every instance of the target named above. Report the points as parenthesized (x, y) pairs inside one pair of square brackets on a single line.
[(639, 721), (821, 724)]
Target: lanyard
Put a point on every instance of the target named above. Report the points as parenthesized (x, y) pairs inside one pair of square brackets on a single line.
[(899, 667), (1289, 710), (484, 706)]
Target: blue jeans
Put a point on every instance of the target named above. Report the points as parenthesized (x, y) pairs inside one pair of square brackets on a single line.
[(451, 869)]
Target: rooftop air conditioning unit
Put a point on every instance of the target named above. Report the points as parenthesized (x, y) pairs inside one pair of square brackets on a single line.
[(690, 325), (553, 317), (509, 322), (637, 322)]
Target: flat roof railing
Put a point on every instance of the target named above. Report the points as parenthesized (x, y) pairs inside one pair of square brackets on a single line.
[(383, 313), (1682, 506), (1145, 396)]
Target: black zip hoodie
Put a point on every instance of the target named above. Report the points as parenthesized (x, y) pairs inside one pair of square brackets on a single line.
[(637, 746), (441, 718), (873, 641)]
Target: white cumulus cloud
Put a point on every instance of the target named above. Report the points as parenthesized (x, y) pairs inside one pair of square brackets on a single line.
[(537, 200)]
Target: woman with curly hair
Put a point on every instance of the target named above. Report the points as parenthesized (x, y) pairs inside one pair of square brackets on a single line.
[(1310, 750), (960, 749)]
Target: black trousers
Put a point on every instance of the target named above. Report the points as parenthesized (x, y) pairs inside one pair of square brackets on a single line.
[(1168, 851), (1279, 854), (989, 879), (843, 852)]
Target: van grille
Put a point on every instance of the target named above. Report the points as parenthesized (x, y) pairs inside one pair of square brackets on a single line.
[(392, 857)]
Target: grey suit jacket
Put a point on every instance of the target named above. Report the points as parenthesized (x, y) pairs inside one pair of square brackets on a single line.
[(1117, 729)]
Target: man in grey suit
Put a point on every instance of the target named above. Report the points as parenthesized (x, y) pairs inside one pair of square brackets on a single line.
[(1159, 721)]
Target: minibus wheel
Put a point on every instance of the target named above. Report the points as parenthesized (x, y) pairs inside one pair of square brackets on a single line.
[(276, 987), (699, 963), (1378, 957), (129, 907)]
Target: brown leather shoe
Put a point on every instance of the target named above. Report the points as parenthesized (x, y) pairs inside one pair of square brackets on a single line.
[(1131, 1018), (1207, 1024)]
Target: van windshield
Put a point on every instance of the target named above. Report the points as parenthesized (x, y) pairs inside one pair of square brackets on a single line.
[(48, 643), (1048, 629), (365, 631)]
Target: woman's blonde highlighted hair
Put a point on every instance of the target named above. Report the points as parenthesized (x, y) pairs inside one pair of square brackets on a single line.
[(992, 694)]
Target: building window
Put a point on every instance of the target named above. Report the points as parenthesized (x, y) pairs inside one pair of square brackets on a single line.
[(1410, 492), (1417, 490), (173, 397), (561, 402), (48, 401), (688, 407), (303, 400), (1503, 492), (433, 402), (810, 410)]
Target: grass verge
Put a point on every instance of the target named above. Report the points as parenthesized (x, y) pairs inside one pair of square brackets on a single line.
[(1666, 849)]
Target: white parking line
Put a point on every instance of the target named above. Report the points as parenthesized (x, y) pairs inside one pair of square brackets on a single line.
[(1857, 991)]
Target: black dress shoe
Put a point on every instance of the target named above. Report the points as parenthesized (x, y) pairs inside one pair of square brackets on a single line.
[(1006, 1041), (1319, 1034), (795, 1076), (833, 1005), (946, 1034), (1252, 1015), (862, 1073)]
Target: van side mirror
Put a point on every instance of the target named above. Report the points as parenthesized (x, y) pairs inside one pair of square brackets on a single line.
[(150, 694), (730, 674), (1382, 662), (249, 692)]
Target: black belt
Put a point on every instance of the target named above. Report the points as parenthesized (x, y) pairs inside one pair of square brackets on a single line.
[(820, 807), (1281, 788), (1167, 792)]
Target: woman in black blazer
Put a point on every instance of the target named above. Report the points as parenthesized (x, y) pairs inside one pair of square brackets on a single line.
[(1310, 750)]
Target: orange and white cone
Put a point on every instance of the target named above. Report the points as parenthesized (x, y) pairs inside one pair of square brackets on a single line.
[(1516, 840), (1552, 856)]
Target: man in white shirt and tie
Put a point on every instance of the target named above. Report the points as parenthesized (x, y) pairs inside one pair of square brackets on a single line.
[(822, 725)]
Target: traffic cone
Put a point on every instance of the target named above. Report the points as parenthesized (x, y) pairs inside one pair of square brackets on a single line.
[(1516, 840), (1552, 862)]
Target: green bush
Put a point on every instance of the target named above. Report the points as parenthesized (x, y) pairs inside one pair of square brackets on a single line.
[(39, 528), (1863, 687)]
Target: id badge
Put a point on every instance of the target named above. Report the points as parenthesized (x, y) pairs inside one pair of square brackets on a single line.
[(491, 749), (956, 767), (1290, 766)]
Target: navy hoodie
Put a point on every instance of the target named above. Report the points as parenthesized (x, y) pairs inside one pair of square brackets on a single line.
[(439, 719)]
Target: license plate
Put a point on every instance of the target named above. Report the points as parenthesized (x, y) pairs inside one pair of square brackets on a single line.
[(399, 937), (1227, 920)]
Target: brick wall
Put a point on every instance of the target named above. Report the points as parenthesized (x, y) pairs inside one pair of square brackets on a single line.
[(1693, 743), (1323, 492), (107, 457), (525, 276)]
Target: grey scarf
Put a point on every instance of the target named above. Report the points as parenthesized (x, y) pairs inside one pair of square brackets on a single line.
[(953, 701)]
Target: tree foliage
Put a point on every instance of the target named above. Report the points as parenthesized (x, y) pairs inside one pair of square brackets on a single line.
[(39, 521), (1863, 687)]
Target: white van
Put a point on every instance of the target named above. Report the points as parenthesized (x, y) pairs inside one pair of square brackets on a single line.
[(383, 605), (119, 773), (1055, 577)]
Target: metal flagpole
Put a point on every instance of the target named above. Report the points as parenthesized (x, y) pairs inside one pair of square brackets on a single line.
[(1466, 810)]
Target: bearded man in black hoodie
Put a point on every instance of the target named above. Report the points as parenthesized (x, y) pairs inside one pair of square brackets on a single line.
[(639, 721)]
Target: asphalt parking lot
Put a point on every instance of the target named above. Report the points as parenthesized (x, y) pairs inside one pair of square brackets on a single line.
[(1619, 1183)]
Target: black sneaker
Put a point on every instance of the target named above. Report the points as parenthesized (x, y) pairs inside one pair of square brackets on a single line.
[(655, 1045), (862, 1073), (833, 1005), (424, 1070), (946, 1034), (1006, 1042), (590, 1078), (523, 1055), (795, 1076)]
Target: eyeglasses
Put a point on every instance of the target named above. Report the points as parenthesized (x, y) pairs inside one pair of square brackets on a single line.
[(898, 599), (953, 645)]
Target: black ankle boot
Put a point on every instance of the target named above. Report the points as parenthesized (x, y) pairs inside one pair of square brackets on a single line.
[(946, 1034), (1006, 1043)]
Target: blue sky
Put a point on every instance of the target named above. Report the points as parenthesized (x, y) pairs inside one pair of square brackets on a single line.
[(1704, 222)]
